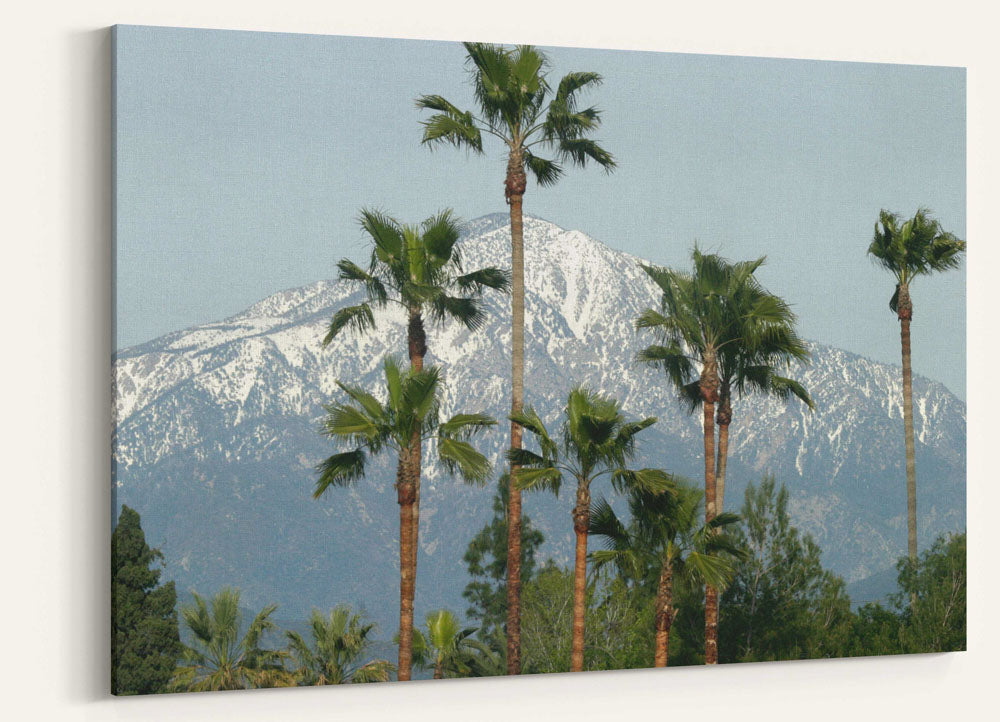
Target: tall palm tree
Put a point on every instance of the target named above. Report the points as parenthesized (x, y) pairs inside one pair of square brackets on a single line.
[(702, 314), (664, 542), (417, 268), (517, 106), (759, 348), (596, 441), (335, 654), (218, 657), (372, 426), (908, 249)]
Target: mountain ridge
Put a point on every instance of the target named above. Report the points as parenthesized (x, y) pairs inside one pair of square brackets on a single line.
[(216, 431)]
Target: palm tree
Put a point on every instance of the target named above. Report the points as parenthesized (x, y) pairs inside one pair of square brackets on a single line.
[(908, 249), (760, 346), (446, 647), (336, 651), (596, 441), (663, 543), (372, 426), (702, 314), (218, 657), (419, 269), (517, 106)]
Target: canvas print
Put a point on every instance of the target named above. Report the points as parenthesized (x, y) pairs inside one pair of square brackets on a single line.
[(442, 359)]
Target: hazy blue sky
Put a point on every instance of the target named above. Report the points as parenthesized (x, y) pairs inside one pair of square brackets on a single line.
[(243, 159)]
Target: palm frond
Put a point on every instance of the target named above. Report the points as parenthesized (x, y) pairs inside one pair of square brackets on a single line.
[(358, 318), (650, 480), (536, 479), (440, 234), (474, 282), (461, 459), (459, 308), (385, 232), (458, 129), (546, 172), (465, 426), (580, 150), (340, 470)]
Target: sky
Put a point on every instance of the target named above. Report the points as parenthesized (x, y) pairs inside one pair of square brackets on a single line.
[(243, 158)]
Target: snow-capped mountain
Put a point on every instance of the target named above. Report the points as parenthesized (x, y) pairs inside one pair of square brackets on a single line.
[(216, 437)]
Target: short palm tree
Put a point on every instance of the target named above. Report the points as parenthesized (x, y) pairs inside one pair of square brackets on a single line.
[(446, 647), (665, 542), (701, 315), (335, 653), (218, 657), (372, 426), (417, 268), (907, 249), (596, 441), (517, 106)]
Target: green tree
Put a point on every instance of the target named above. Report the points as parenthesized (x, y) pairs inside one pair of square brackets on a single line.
[(665, 542), (618, 620), (517, 106), (909, 249), (486, 560), (220, 657), (447, 648), (418, 269), (702, 315), (596, 441), (145, 641), (937, 622), (875, 630), (409, 416), (335, 654), (781, 604)]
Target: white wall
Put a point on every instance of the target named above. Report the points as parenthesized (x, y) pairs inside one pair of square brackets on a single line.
[(54, 362)]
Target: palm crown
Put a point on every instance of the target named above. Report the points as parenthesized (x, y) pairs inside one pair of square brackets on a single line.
[(721, 318), (518, 106), (335, 654), (218, 657), (418, 268), (596, 441), (409, 415), (447, 647), (665, 530), (911, 248)]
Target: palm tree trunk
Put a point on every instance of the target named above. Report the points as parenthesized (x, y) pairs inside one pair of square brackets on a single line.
[(439, 670), (416, 339), (710, 394), (405, 496), (664, 614), (723, 418), (581, 525), (514, 190), (905, 313)]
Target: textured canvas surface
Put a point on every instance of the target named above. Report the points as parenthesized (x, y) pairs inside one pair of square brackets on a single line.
[(254, 175)]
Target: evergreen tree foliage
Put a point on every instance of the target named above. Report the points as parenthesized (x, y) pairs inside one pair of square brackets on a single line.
[(486, 560), (927, 613), (145, 642), (782, 604), (618, 621)]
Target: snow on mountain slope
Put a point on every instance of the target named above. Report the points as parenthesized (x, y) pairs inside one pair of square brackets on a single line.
[(216, 434)]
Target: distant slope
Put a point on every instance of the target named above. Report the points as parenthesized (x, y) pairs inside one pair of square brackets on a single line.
[(876, 588)]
